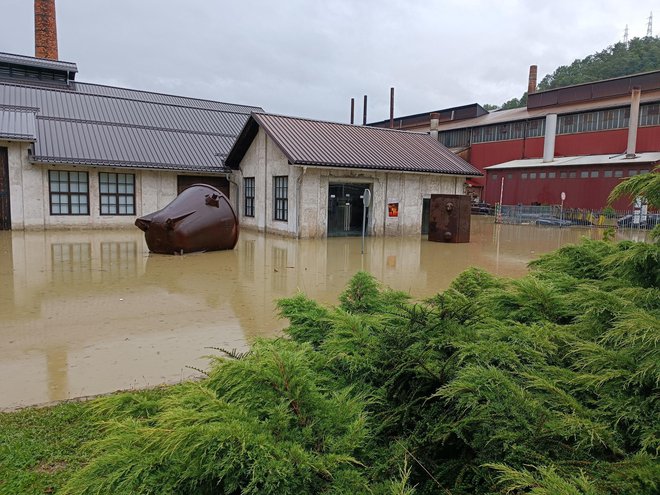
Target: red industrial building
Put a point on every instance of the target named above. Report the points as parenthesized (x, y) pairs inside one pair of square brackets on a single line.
[(575, 140)]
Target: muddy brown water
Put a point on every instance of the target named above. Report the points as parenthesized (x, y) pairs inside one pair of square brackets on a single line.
[(89, 312)]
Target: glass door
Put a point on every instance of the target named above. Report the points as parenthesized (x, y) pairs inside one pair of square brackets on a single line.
[(345, 208)]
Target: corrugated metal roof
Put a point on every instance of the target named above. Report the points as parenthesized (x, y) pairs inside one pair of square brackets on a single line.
[(114, 145), (17, 125), (573, 161), (102, 125), (42, 63), (318, 143), (516, 114)]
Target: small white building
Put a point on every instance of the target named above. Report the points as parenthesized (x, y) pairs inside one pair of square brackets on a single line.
[(306, 178)]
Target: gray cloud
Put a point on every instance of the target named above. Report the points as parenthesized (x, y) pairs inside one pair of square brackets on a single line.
[(308, 58)]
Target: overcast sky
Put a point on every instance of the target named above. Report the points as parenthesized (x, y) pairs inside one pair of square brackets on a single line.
[(308, 57)]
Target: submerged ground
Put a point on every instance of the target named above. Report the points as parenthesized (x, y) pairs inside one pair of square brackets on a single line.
[(86, 313)]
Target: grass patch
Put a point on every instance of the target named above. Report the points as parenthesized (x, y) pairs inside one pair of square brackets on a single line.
[(40, 448)]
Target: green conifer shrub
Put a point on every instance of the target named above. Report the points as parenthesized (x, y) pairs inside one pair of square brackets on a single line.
[(549, 384)]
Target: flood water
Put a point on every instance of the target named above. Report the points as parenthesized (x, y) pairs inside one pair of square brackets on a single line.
[(89, 312)]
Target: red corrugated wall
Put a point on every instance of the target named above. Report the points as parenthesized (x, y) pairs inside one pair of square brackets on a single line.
[(579, 192)]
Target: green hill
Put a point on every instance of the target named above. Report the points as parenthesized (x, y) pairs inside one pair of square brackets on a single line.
[(621, 59)]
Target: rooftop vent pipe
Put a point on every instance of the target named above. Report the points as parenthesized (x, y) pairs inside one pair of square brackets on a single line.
[(435, 121), (531, 83), (391, 108), (45, 29), (352, 111), (364, 111), (633, 121), (549, 140)]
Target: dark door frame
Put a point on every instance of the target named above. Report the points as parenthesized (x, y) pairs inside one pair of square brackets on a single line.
[(348, 212), (5, 204)]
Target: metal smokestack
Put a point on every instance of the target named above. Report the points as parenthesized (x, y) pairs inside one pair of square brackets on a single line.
[(531, 84), (364, 111), (352, 111), (391, 108), (633, 121), (45, 29)]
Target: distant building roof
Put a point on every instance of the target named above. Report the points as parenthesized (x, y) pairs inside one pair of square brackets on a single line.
[(17, 124), (606, 88), (576, 161), (79, 123), (517, 114), (448, 114), (329, 144)]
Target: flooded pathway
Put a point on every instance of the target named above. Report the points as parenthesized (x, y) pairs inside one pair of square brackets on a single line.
[(89, 312)]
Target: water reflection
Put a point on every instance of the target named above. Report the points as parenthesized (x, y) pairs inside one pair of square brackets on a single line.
[(83, 313)]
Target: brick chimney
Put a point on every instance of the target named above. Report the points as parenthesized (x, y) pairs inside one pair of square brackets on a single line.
[(45, 29), (531, 85)]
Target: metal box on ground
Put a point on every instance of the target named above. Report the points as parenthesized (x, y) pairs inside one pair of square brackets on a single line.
[(449, 218)]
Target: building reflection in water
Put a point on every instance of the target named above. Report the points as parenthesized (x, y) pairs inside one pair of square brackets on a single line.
[(90, 312)]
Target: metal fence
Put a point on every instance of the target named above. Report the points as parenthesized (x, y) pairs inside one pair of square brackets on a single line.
[(554, 215)]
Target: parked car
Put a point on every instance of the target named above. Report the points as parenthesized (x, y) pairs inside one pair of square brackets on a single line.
[(650, 221), (553, 221), (483, 209)]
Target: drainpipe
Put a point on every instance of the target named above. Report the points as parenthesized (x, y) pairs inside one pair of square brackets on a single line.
[(238, 191), (633, 121), (435, 122), (301, 173), (391, 108), (265, 182), (549, 140)]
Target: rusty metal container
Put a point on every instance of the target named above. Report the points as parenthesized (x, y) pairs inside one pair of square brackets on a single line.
[(449, 218), (199, 219)]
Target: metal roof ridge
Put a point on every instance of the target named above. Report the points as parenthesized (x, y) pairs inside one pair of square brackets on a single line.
[(352, 126), (70, 90), (18, 108), (252, 107), (132, 126)]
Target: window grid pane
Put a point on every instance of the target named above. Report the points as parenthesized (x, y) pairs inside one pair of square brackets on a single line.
[(281, 185), (117, 193), (68, 193), (249, 187)]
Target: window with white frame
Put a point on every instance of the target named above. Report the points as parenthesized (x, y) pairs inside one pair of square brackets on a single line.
[(281, 196), (69, 192), (117, 193)]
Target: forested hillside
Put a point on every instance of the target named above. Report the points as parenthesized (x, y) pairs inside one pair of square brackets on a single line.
[(621, 59)]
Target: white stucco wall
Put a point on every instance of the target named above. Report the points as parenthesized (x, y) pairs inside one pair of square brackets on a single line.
[(263, 161), (29, 194), (308, 193)]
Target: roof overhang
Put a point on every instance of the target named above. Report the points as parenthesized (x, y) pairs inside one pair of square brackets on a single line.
[(46, 160), (372, 168), (578, 161)]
